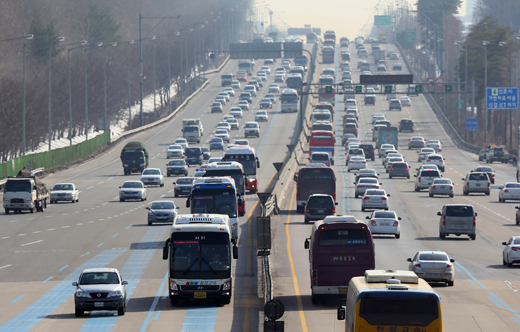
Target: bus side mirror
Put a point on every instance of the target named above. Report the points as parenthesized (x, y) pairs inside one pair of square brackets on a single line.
[(306, 244), (257, 163), (188, 201), (295, 178), (235, 252), (342, 310), (165, 249)]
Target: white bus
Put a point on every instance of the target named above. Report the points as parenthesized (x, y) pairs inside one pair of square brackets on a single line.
[(289, 100), (200, 248), (246, 156)]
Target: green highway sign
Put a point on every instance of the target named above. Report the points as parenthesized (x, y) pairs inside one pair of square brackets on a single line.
[(418, 88), (328, 89), (380, 20), (388, 89), (359, 88), (409, 36), (448, 88), (398, 35)]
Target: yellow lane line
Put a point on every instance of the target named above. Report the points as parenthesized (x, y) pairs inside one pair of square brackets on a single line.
[(295, 280), (248, 268)]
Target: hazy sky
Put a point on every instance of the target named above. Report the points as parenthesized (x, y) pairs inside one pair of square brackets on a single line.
[(346, 17)]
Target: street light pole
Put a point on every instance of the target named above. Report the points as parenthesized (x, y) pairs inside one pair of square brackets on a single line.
[(59, 39), (485, 43), (154, 86), (70, 90), (113, 44), (129, 86), (98, 44)]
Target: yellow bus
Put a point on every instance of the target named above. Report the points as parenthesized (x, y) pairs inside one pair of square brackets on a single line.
[(390, 301)]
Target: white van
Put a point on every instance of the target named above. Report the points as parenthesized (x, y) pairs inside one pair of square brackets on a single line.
[(321, 115)]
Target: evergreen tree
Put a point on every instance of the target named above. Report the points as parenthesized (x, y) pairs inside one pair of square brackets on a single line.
[(100, 26), (44, 39)]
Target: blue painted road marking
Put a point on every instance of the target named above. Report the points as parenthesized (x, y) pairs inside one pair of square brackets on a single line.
[(154, 304), (49, 278), (19, 297), (200, 319), (63, 268), (266, 135)]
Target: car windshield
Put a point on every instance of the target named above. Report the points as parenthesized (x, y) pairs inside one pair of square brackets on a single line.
[(427, 151), (175, 147), (98, 278), (151, 172), (221, 132), (434, 157), (484, 169), (179, 162), (162, 206), (182, 140), (417, 139), (367, 172), (367, 180), (320, 156), (433, 257), (63, 187), (216, 140), (384, 214), (375, 193), (430, 173), (478, 176), (132, 185), (185, 180), (251, 125), (266, 100)]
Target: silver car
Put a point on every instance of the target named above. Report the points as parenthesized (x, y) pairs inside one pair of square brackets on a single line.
[(510, 190), (222, 133), (442, 186), (100, 289), (132, 190), (64, 192), (424, 153), (476, 182), (365, 183), (153, 177), (457, 219), (161, 211), (375, 199), (433, 266), (384, 222), (175, 151), (511, 252)]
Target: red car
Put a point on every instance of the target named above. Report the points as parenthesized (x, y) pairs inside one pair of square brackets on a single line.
[(242, 78)]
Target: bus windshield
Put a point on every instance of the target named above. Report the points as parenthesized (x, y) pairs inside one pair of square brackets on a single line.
[(316, 174), (343, 237), (236, 174), (404, 311), (248, 162), (218, 200), (200, 255), (289, 98)]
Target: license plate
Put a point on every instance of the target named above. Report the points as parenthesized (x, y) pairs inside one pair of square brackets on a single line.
[(98, 304), (433, 275), (199, 295), (478, 184), (342, 290), (385, 224), (320, 211), (443, 187)]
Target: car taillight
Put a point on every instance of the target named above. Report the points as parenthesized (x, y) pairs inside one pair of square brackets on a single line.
[(333, 210), (449, 265), (419, 179), (427, 160), (467, 184), (489, 184), (314, 280), (334, 196), (515, 248), (434, 187), (417, 264), (376, 187), (373, 222), (307, 210), (365, 162), (396, 223), (298, 196), (474, 221), (366, 198), (384, 198), (451, 187), (492, 175), (506, 191), (406, 169), (444, 220)]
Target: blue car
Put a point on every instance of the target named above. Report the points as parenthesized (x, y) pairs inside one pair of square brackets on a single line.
[(216, 143)]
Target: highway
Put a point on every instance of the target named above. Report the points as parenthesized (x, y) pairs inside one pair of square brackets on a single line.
[(41, 254), (484, 297)]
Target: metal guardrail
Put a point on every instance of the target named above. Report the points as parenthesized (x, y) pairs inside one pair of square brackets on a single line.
[(271, 206)]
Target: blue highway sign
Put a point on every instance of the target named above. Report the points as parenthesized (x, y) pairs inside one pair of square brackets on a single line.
[(502, 98), (471, 124)]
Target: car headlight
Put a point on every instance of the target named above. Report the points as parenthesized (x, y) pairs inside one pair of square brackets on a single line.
[(173, 285), (116, 293), (82, 293), (227, 285), (173, 212)]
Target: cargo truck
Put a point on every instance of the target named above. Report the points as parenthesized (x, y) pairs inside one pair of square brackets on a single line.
[(134, 158), (387, 135), (25, 192), (192, 130)]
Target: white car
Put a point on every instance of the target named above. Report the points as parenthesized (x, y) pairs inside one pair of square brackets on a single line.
[(182, 142), (244, 105), (226, 118), (235, 85), (262, 75), (272, 97), (391, 154), (224, 125), (274, 88), (233, 124), (384, 222), (236, 112), (132, 190), (511, 253), (356, 163), (374, 199), (153, 176), (214, 160), (385, 147), (350, 141), (224, 95), (266, 69), (230, 91), (405, 101), (252, 128), (434, 144), (423, 153), (222, 133), (436, 159), (221, 99), (64, 192), (175, 151), (261, 116), (377, 116), (510, 190)]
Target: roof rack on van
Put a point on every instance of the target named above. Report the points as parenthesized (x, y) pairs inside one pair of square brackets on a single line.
[(345, 218), (385, 276)]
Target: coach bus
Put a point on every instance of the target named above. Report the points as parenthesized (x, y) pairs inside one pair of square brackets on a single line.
[(312, 38), (327, 54), (236, 171), (200, 248), (289, 100), (322, 141), (329, 34), (215, 195), (246, 156), (340, 248), (390, 300)]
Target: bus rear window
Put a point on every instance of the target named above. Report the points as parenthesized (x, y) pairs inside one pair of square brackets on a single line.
[(398, 310), (322, 138), (343, 237), (316, 174)]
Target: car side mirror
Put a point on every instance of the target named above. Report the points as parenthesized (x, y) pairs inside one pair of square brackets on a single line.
[(439, 214), (367, 217), (177, 207), (503, 243), (452, 260), (188, 202), (165, 249), (500, 187), (408, 259), (75, 283), (476, 214), (388, 195), (148, 208), (517, 207), (174, 182), (124, 283), (463, 179), (306, 245), (119, 186), (341, 313), (235, 252), (415, 176), (398, 218), (380, 184)]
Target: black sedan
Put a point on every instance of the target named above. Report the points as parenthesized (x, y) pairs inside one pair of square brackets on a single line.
[(177, 167)]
